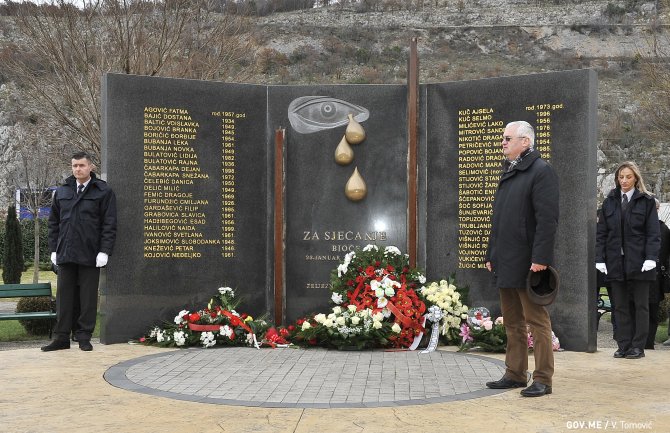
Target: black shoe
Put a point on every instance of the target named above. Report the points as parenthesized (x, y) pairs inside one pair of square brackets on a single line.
[(635, 353), (85, 345), (74, 337), (537, 389), (56, 345), (505, 383), (620, 354)]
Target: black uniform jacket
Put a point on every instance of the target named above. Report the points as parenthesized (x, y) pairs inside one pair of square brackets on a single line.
[(639, 238), (82, 225), (525, 219)]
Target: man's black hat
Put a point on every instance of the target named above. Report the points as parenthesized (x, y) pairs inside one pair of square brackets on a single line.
[(542, 286)]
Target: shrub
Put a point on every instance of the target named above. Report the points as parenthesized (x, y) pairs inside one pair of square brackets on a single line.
[(28, 305), (12, 264)]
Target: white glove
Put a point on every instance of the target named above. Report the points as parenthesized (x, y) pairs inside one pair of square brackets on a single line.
[(648, 265), (101, 260), (53, 258), (602, 268)]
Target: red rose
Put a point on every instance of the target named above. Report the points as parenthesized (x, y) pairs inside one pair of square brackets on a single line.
[(370, 271), (378, 263), (312, 341), (299, 322), (283, 332), (291, 328), (350, 283), (194, 317), (142, 340)]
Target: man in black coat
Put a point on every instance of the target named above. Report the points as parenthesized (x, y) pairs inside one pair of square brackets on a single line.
[(82, 231), (525, 219)]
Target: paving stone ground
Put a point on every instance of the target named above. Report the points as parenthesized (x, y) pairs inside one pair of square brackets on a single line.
[(309, 378)]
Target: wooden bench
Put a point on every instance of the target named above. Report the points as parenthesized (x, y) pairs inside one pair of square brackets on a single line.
[(27, 291), (603, 304)]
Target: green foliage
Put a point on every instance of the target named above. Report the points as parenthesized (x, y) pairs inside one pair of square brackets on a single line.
[(28, 232), (492, 340), (12, 264), (35, 326), (28, 242)]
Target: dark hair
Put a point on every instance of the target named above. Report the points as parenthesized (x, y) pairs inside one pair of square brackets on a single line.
[(82, 155)]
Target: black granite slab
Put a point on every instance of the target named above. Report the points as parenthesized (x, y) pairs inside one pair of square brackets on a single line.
[(464, 123), (322, 224), (188, 161)]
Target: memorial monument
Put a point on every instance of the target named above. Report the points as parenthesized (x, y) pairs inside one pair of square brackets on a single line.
[(209, 196)]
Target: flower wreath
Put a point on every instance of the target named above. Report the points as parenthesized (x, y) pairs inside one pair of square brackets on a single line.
[(382, 281)]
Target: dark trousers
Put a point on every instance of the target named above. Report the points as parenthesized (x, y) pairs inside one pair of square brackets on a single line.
[(632, 318), (518, 311), (76, 282)]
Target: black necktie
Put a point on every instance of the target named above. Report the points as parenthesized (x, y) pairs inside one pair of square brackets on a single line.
[(80, 188), (624, 203)]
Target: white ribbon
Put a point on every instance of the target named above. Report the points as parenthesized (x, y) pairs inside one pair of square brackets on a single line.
[(434, 314)]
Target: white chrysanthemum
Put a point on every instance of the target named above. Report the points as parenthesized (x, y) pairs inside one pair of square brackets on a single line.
[(226, 290), (336, 298), (305, 325), (179, 338), (342, 269), (207, 339), (392, 250), (349, 256), (226, 330), (370, 247), (422, 279), (179, 318), (160, 336)]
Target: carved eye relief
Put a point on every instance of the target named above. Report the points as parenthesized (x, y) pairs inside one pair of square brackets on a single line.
[(309, 114)]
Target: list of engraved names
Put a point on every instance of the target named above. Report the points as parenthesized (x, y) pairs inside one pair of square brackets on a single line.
[(176, 208), (480, 158)]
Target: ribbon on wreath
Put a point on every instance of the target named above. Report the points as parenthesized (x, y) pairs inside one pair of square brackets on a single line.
[(237, 321), (434, 314)]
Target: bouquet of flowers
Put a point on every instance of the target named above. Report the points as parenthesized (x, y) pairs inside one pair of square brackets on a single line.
[(218, 323), (445, 295), (348, 328), (481, 332), (381, 281)]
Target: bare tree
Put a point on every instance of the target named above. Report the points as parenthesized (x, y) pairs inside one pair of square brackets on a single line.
[(41, 168), (66, 51)]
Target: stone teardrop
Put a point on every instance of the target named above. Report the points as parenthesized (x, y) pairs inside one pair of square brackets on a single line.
[(356, 189), (355, 133), (344, 154)]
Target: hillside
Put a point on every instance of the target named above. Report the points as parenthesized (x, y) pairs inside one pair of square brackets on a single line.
[(367, 42), (485, 38)]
